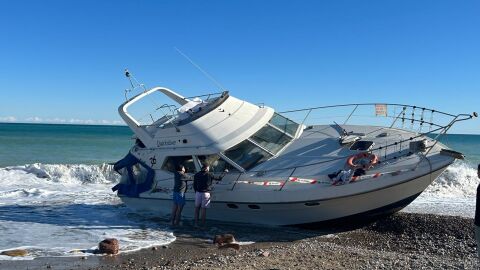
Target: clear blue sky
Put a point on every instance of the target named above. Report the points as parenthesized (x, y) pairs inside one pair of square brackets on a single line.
[(65, 59)]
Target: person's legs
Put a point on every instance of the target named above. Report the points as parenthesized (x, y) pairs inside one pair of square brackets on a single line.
[(205, 205), (179, 214), (197, 211), (174, 208), (180, 200), (204, 216), (174, 213), (198, 203), (477, 237)]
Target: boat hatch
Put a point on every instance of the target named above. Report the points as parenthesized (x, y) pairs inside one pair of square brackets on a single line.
[(362, 145)]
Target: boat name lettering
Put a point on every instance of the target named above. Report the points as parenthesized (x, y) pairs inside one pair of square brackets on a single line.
[(166, 143)]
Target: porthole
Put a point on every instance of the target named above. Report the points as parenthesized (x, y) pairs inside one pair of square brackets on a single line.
[(312, 203), (232, 205), (253, 206)]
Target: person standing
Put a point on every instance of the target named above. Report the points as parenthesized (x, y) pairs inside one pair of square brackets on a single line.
[(179, 190), (477, 215), (202, 184)]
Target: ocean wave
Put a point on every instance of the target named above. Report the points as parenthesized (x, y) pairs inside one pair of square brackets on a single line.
[(23, 192), (65, 173), (458, 180)]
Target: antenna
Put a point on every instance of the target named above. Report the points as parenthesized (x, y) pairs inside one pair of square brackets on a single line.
[(133, 82), (210, 77)]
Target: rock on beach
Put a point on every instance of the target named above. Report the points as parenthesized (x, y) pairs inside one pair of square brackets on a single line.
[(109, 246), (15, 253)]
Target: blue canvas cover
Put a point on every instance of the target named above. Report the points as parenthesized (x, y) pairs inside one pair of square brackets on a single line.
[(131, 188)]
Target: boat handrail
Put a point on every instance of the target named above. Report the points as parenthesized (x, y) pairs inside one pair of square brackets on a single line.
[(159, 111), (439, 130), (436, 129), (209, 96), (367, 104)]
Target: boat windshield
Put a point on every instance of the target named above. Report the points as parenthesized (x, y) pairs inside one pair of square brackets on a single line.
[(247, 155), (271, 139), (265, 143), (286, 125)]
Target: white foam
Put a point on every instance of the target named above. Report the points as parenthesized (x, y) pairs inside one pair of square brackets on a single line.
[(452, 193), (69, 173), (458, 181), (54, 209)]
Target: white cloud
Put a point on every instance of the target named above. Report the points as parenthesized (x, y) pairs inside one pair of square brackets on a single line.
[(8, 119), (57, 120), (34, 119)]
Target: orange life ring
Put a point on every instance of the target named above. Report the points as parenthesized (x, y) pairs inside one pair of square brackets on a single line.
[(354, 161)]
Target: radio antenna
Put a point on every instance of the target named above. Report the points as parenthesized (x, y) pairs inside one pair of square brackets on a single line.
[(210, 77)]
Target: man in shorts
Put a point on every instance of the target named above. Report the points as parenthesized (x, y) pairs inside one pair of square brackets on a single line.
[(202, 184), (179, 189)]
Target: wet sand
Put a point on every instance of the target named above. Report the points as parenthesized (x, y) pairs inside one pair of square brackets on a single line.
[(400, 241)]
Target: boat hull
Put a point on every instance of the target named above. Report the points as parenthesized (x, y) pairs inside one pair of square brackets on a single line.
[(389, 199)]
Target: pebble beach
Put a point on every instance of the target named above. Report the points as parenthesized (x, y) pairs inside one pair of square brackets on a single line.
[(399, 241)]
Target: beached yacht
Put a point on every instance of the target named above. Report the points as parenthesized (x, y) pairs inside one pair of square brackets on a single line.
[(295, 167)]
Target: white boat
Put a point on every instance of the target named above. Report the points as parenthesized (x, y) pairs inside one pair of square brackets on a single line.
[(284, 168)]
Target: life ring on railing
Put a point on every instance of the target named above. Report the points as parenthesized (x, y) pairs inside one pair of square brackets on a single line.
[(362, 160)]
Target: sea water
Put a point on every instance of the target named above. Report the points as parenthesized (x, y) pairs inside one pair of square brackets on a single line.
[(56, 198), (55, 191)]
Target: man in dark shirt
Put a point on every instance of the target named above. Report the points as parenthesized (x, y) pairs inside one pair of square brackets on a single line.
[(179, 189), (477, 215), (202, 184)]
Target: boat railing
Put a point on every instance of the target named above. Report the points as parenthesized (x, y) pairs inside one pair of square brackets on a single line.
[(161, 114), (164, 114), (423, 122), (206, 97)]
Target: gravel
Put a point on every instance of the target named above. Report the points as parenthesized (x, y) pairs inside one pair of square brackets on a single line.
[(400, 241)]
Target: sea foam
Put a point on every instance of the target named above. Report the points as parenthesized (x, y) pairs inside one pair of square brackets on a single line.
[(56, 210), (459, 180), (452, 193), (70, 173)]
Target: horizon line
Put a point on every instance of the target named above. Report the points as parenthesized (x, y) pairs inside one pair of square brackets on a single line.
[(125, 125)]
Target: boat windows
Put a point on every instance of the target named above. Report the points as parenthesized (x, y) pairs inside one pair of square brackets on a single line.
[(232, 205), (217, 164), (264, 144), (286, 125), (247, 155), (312, 204), (171, 163), (362, 145), (271, 139)]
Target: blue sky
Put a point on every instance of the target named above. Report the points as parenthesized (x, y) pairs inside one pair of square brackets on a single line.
[(64, 60)]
